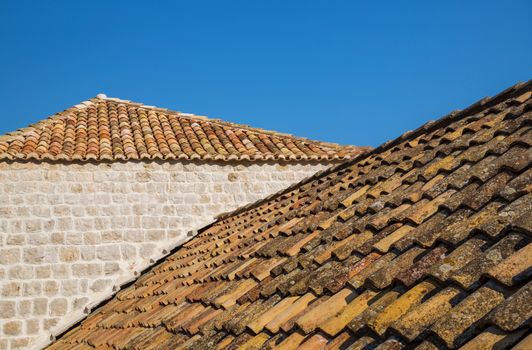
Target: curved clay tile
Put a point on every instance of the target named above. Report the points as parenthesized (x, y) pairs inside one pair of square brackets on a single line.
[(113, 129)]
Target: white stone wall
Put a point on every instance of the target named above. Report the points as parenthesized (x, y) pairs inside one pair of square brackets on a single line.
[(70, 232)]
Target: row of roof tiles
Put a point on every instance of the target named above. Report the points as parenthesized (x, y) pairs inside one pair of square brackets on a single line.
[(107, 129), (423, 243)]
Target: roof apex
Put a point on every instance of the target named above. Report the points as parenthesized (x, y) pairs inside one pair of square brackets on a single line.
[(113, 129)]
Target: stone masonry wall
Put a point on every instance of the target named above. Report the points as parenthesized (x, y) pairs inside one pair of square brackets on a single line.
[(70, 232)]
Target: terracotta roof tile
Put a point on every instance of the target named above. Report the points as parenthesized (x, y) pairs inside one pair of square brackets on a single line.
[(493, 338), (416, 321), (364, 342), (369, 265), (376, 305), (457, 259), (514, 311), (316, 342), (294, 309), (258, 323), (391, 344), (331, 307), (291, 342), (470, 274), (256, 342), (401, 306), (524, 344), (514, 269), (336, 324), (384, 276), (427, 345), (107, 129), (462, 320), (423, 243)]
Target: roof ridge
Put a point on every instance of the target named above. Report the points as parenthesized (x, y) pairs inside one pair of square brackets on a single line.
[(239, 142), (431, 125), (218, 121)]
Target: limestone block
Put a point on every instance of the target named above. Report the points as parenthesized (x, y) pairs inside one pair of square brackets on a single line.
[(24, 272), (49, 323), (60, 271), (111, 236), (69, 254), (69, 287), (32, 326), (58, 307), (12, 328), (129, 251), (100, 285), (79, 303), (43, 271), (51, 288), (32, 288), (24, 308), (46, 254), (40, 306), (111, 268), (7, 308), (10, 256), (108, 252), (20, 343), (88, 252), (92, 238)]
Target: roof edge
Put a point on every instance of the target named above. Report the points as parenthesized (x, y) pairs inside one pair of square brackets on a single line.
[(125, 283), (482, 104)]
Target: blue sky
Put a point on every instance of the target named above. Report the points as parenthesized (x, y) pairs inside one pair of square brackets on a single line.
[(352, 72)]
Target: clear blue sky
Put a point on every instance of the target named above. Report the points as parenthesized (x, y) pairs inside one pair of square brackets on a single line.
[(352, 72)]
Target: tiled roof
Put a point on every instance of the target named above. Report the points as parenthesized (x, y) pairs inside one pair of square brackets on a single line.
[(424, 242), (112, 129)]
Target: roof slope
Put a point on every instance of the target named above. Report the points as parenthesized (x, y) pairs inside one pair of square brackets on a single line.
[(112, 129), (422, 243)]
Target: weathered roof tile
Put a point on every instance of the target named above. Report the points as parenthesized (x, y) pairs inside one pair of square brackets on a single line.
[(457, 259), (461, 321), (335, 324), (524, 344), (514, 311), (422, 243), (259, 322), (403, 262), (331, 307), (470, 274), (401, 306), (515, 268), (493, 338), (281, 316), (423, 316)]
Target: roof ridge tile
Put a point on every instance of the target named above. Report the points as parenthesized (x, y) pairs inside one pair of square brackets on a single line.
[(242, 144)]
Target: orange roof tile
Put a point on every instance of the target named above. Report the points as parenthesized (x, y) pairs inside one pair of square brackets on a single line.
[(112, 129), (422, 243)]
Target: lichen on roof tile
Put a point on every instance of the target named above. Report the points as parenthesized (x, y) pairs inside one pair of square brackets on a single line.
[(422, 243)]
